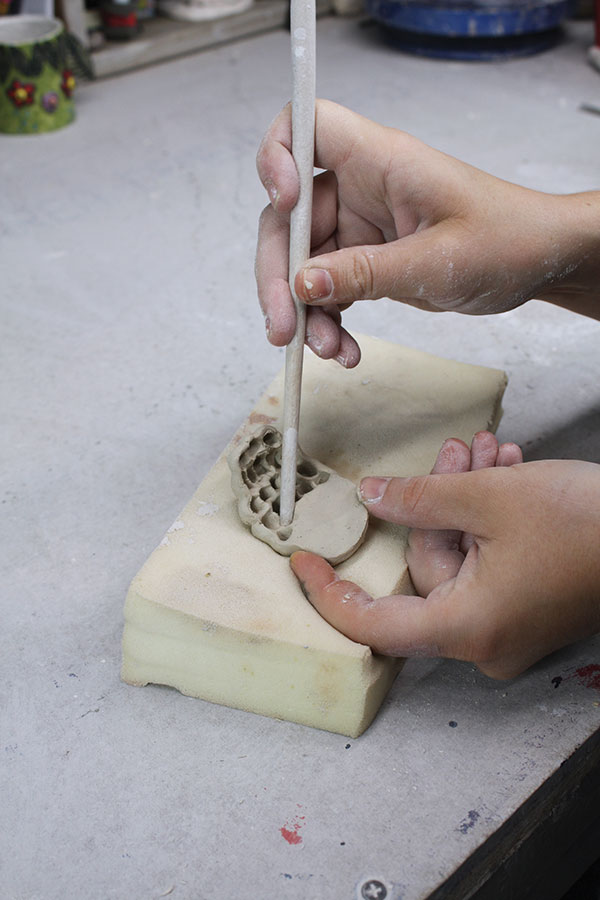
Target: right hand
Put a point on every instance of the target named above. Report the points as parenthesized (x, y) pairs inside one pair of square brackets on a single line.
[(395, 218)]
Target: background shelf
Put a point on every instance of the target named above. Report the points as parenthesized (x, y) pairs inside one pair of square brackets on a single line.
[(163, 38)]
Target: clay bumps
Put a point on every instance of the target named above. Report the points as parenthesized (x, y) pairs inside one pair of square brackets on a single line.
[(328, 518)]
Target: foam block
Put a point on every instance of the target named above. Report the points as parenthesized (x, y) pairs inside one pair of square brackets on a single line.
[(217, 614)]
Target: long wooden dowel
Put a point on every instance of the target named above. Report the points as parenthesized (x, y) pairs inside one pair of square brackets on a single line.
[(303, 27)]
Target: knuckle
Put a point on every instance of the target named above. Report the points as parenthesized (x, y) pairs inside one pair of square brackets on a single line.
[(362, 276), (414, 495), (346, 592), (264, 218)]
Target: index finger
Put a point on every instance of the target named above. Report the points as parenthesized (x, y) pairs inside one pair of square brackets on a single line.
[(337, 131), (275, 164)]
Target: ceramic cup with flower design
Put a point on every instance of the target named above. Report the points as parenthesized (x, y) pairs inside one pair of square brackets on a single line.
[(36, 81)]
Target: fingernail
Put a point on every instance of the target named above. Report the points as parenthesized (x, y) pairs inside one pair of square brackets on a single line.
[(342, 359), (318, 284), (371, 490), (268, 326)]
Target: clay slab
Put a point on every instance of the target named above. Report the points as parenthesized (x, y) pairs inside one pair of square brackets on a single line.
[(328, 517), (218, 615)]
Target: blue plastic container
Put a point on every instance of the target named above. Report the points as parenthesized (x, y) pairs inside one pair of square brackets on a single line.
[(467, 29)]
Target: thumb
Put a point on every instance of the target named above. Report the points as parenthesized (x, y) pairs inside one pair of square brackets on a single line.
[(465, 501), (401, 270)]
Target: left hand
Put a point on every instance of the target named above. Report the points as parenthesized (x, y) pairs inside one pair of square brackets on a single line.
[(503, 554)]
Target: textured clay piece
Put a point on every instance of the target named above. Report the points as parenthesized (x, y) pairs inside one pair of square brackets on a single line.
[(328, 517)]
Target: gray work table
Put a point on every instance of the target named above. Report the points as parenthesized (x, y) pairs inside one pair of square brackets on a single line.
[(132, 349)]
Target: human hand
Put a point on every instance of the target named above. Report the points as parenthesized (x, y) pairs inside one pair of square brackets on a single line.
[(517, 577), (395, 218)]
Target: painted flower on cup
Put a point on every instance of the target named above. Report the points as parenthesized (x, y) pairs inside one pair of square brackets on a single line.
[(21, 94), (68, 82), (50, 101)]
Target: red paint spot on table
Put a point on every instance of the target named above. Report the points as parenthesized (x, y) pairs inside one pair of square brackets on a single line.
[(589, 676), (291, 834), (291, 830)]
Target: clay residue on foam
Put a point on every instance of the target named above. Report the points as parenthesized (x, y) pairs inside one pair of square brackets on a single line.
[(328, 517), (257, 418)]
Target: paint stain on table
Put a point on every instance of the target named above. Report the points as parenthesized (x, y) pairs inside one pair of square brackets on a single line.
[(291, 830), (469, 821), (589, 676)]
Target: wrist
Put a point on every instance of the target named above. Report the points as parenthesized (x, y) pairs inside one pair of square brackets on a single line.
[(572, 276)]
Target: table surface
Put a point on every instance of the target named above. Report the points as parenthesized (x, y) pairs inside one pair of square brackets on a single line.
[(133, 348)]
